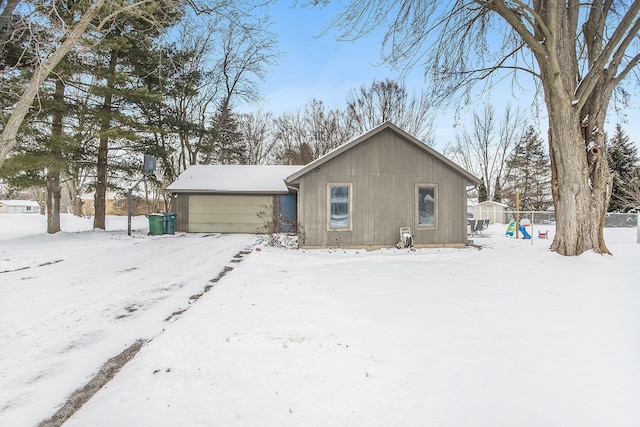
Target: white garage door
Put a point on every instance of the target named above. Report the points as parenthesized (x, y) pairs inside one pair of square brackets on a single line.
[(229, 213)]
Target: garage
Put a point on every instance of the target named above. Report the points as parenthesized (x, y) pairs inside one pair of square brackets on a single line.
[(233, 199), (233, 213)]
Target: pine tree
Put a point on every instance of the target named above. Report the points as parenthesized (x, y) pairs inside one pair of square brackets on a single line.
[(497, 191), (623, 162), (229, 147), (529, 173), (119, 57), (482, 192)]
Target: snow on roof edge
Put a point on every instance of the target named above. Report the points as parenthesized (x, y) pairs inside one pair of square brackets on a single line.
[(254, 179)]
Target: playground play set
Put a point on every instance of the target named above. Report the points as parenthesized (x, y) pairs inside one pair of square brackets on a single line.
[(522, 228)]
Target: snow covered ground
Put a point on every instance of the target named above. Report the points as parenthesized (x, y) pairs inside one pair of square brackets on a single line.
[(510, 335)]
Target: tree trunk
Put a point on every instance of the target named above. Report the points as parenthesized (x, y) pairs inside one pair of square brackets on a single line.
[(100, 202), (75, 194), (53, 171), (580, 177), (53, 200), (580, 182)]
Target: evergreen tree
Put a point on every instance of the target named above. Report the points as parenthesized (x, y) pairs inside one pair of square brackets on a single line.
[(497, 191), (229, 147), (529, 173), (118, 58), (482, 192), (623, 162)]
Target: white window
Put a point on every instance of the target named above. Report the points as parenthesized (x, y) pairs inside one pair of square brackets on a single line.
[(339, 206), (426, 203)]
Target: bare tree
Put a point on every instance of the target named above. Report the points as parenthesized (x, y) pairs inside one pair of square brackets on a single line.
[(578, 52), (217, 64), (307, 134), (388, 100), (484, 148), (631, 194), (256, 129)]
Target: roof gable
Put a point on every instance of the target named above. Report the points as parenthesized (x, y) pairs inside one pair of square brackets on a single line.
[(365, 136), (256, 179)]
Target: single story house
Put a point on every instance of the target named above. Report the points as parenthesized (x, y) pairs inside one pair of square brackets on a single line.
[(19, 206), (359, 195), (493, 211), (233, 199)]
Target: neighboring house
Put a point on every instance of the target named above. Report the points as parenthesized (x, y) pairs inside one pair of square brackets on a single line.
[(116, 204), (19, 206), (361, 193), (358, 195), (493, 211), (233, 199)]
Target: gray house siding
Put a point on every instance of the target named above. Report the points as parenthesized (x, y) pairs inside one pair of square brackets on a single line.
[(383, 171), (180, 206)]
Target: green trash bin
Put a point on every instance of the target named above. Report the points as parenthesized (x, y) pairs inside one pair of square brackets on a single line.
[(169, 223), (156, 223)]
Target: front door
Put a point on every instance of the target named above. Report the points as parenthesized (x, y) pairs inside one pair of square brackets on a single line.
[(287, 212)]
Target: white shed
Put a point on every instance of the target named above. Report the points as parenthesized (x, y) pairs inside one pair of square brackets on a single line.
[(19, 206), (493, 211)]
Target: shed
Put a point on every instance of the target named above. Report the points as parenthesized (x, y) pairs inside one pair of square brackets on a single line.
[(493, 211), (361, 193), (19, 206), (233, 199)]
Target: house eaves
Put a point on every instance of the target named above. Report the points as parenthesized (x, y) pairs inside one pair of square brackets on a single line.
[(380, 128), (233, 179)]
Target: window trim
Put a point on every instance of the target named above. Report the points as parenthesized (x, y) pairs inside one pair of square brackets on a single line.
[(417, 206), (330, 185)]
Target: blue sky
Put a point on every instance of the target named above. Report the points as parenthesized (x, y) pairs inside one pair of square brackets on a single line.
[(317, 66)]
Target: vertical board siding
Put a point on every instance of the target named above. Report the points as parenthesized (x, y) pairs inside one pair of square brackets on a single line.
[(180, 206), (384, 171)]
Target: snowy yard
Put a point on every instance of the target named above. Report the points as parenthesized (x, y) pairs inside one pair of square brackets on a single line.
[(510, 335)]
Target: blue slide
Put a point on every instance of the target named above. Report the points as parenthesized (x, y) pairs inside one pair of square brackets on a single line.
[(523, 230)]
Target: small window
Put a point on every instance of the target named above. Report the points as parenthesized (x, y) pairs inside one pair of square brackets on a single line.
[(339, 206), (426, 206)]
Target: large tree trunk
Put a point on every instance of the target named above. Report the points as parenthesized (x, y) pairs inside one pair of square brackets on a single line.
[(575, 213), (580, 177), (100, 202), (53, 171)]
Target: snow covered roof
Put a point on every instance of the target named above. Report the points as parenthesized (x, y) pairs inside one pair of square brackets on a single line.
[(233, 179), (19, 203), (491, 203)]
